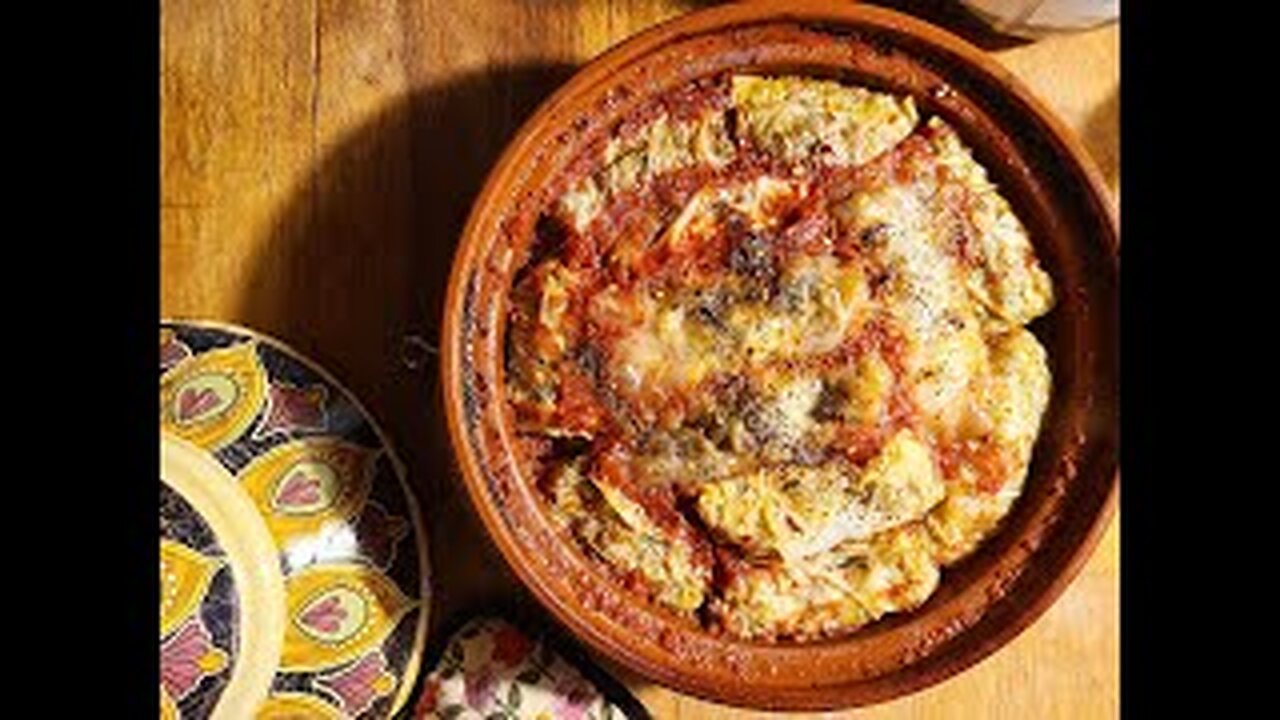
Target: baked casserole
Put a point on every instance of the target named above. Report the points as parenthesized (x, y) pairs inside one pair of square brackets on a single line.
[(768, 354)]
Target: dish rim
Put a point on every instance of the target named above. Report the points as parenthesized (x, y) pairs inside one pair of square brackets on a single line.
[(489, 205), (408, 678)]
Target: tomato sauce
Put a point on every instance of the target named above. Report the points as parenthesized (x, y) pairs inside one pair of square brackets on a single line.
[(990, 462), (626, 267)]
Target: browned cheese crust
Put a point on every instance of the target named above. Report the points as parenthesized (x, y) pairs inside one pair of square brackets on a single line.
[(769, 349)]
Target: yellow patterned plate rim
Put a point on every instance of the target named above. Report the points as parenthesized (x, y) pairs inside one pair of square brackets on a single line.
[(211, 490), (413, 664)]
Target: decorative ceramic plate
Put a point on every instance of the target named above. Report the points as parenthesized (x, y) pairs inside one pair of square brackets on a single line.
[(294, 574)]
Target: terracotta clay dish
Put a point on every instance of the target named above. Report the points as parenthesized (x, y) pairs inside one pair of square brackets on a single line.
[(780, 355)]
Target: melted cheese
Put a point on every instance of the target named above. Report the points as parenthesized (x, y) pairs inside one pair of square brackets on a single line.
[(660, 147), (663, 351), (621, 532), (819, 301), (798, 511), (822, 300), (833, 376), (800, 120), (1012, 405), (849, 586), (1008, 281)]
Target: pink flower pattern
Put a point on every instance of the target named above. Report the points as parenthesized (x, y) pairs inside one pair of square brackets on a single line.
[(510, 646), (430, 698), (480, 687), (192, 402), (573, 699), (360, 685), (299, 489), (180, 666), (326, 615), (290, 409), (173, 352), (490, 666)]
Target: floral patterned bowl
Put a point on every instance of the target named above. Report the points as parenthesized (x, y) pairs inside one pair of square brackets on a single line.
[(492, 668), (221, 591), (293, 558)]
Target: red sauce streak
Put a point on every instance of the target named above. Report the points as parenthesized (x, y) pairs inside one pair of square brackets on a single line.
[(729, 566), (612, 465), (991, 462), (861, 443), (626, 252), (808, 230), (683, 105), (878, 335), (578, 409)]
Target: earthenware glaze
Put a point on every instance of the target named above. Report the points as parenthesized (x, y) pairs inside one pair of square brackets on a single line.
[(1071, 490), (307, 466)]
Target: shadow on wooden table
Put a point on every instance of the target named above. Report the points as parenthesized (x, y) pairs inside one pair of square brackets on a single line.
[(358, 259)]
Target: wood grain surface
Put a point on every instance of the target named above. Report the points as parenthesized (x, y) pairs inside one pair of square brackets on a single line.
[(318, 159)]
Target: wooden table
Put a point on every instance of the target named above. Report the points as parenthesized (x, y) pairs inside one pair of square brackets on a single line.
[(318, 160)]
